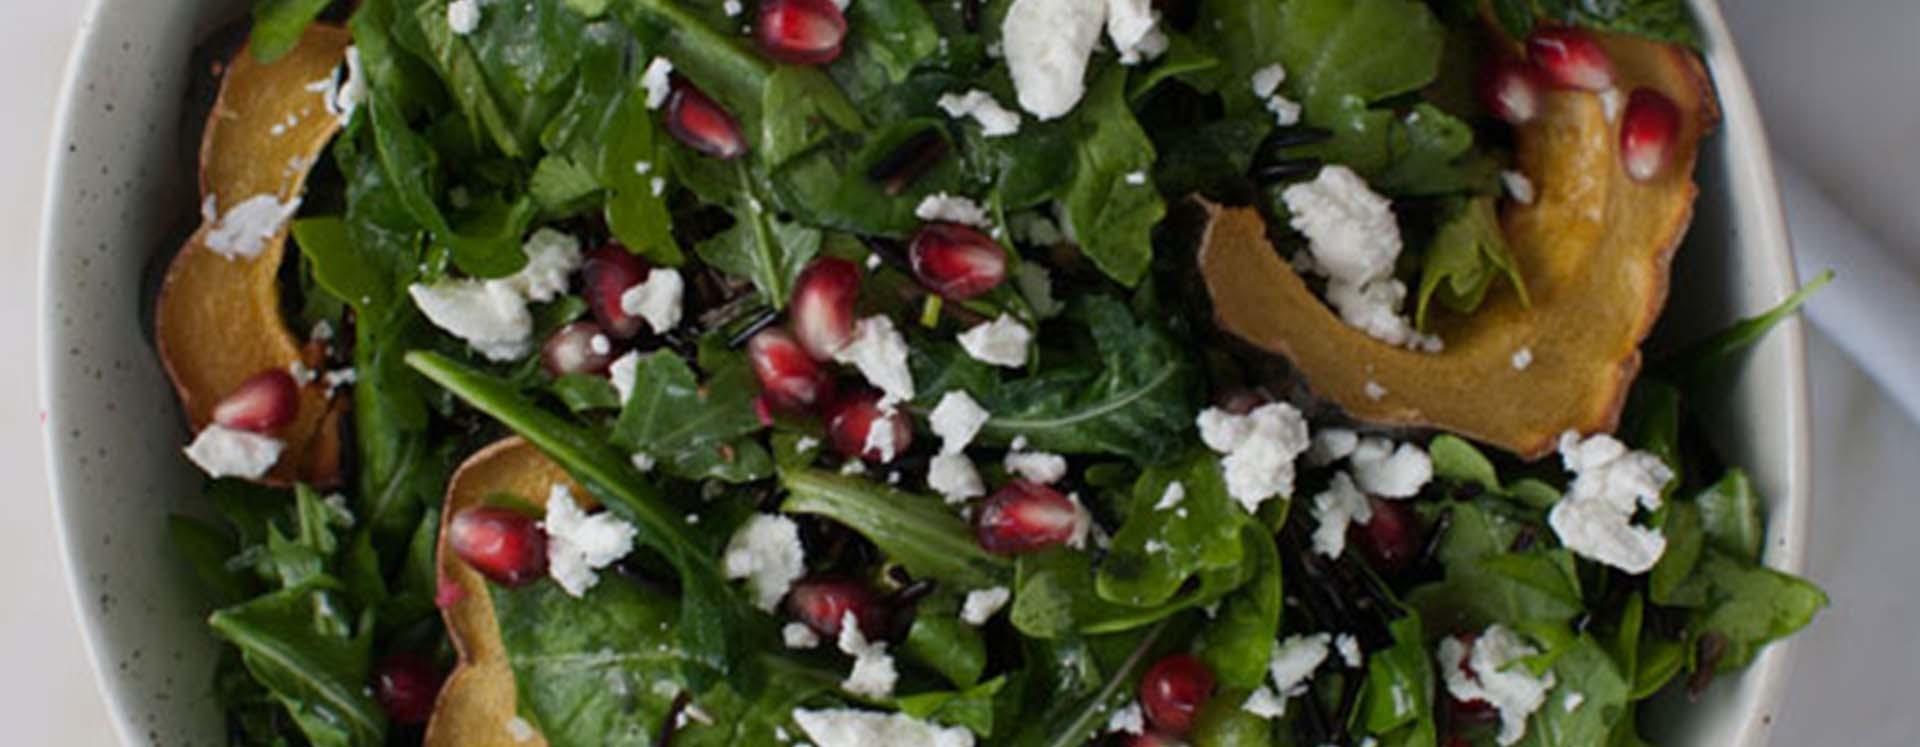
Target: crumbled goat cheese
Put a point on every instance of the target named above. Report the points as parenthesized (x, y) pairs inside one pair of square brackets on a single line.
[(520, 730), (463, 16), (244, 229), (1383, 470), (995, 120), (1266, 81), (1294, 660), (881, 441), (947, 208), (798, 635), (658, 80), (340, 377), (1611, 102), (732, 7), (642, 461), (955, 478), (1354, 241), (1265, 703), (1375, 392), (489, 314), (1175, 493), (873, 672), (880, 353), (1336, 507), (1595, 518), (956, 420), (1128, 720), (1522, 359), (220, 451), (1349, 648), (845, 727), (579, 544), (322, 331), (624, 373), (1260, 449), (1572, 702), (766, 551), (1518, 186), (657, 299), (346, 97), (806, 444), (552, 256), (1001, 342), (1331, 445), (1492, 672), (1286, 111), (301, 374), (599, 345), (1036, 466), (1137, 178), (1134, 29), (982, 604), (1048, 44)]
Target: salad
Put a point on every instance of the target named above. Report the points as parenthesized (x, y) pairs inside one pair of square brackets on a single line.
[(972, 372)]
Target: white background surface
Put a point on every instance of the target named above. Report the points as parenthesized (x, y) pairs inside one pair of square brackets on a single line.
[(1847, 117)]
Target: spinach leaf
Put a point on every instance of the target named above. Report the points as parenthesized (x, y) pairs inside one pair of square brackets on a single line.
[(1730, 516), (1666, 582), (1077, 695), (896, 34), (1397, 700), (1485, 583), (945, 644), (491, 245), (1111, 202), (560, 183), (800, 108), (298, 645), (1238, 642), (674, 417), (918, 532), (971, 707), (1054, 597), (764, 249), (278, 25), (1467, 255), (1584, 668), (1248, 36), (1749, 605), (1157, 550)]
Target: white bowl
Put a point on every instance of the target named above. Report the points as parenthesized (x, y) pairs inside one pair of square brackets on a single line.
[(120, 183)]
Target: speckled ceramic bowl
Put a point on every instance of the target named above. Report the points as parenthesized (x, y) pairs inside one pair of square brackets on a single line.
[(120, 190)]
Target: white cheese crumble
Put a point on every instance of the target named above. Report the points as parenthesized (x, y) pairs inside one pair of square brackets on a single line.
[(1036, 466), (623, 373), (881, 439), (244, 229), (1136, 178), (1175, 493), (489, 314), (579, 544), (880, 353), (463, 16), (345, 97), (982, 604), (658, 80), (1134, 28), (1349, 648), (1266, 86), (845, 727), (956, 420), (220, 451), (656, 299), (1354, 241), (766, 551), (955, 478), (599, 345), (1595, 517), (1260, 449), (995, 120), (1522, 359), (552, 256), (520, 730), (1491, 671), (1331, 445), (1128, 720), (1001, 342), (798, 635), (301, 374), (1265, 703), (1048, 44), (1294, 660), (873, 672), (947, 208), (642, 461), (1383, 470), (1335, 508), (732, 7), (1571, 702), (1518, 186)]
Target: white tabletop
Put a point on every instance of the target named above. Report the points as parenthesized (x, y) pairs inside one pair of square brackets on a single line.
[(1849, 123)]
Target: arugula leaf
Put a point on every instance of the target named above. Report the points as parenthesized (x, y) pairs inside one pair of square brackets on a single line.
[(945, 644), (1076, 693), (296, 643), (1054, 597), (559, 182), (1155, 551), (971, 707), (1749, 605), (1467, 255), (918, 532), (1584, 668), (801, 107), (1666, 582), (674, 417), (1238, 641), (1397, 701), (1485, 583), (1730, 516), (492, 246), (632, 160), (1702, 364), (769, 251), (897, 34), (1112, 216), (279, 24)]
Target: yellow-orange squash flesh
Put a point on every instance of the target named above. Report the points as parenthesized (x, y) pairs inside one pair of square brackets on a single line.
[(1594, 249), (219, 319), (479, 697)]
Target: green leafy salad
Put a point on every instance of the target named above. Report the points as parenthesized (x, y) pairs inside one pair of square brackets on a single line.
[(884, 372)]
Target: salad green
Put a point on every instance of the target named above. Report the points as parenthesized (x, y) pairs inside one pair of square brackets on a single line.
[(1138, 497)]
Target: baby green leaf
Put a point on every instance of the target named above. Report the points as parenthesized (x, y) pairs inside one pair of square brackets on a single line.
[(1111, 202), (1156, 550), (919, 532), (1466, 257)]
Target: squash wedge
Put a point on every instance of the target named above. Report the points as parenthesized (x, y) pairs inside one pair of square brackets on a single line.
[(1594, 247), (218, 319), (479, 698)]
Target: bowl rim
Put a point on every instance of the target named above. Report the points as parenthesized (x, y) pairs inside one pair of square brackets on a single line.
[(1771, 245)]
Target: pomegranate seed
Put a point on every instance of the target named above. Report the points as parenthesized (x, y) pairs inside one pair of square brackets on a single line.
[(699, 123), (1243, 401), (1511, 90), (1647, 131), (609, 271), (823, 300), (504, 545), (822, 603), (406, 685), (1571, 58), (763, 411), (1391, 539), (1027, 517), (956, 261), (578, 348), (1173, 691), (791, 379), (800, 32), (1475, 710), (265, 401), (852, 418)]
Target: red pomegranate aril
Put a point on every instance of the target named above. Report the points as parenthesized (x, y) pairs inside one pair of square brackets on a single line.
[(504, 545), (1242, 401), (823, 303), (406, 685), (790, 377), (1647, 132), (822, 603), (1173, 691), (800, 32), (1391, 540), (852, 418), (578, 348), (1511, 89), (265, 401), (956, 261), (1571, 58), (608, 272), (699, 122), (1024, 517)]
